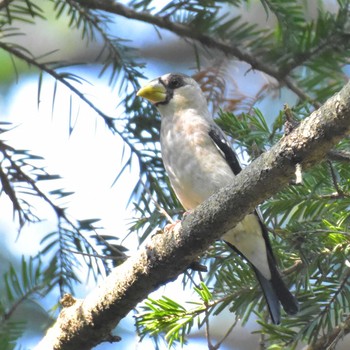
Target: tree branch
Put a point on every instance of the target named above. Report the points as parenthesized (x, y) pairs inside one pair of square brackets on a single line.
[(331, 339), (4, 3), (337, 155), (186, 31), (89, 322)]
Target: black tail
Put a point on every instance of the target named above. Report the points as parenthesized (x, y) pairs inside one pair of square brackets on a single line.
[(275, 292), (271, 297), (287, 299)]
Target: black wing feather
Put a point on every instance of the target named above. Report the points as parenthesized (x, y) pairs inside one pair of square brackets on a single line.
[(274, 290), (223, 145)]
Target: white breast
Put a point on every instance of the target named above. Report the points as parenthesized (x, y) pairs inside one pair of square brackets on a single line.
[(195, 167)]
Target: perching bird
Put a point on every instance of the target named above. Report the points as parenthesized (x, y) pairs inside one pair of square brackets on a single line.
[(199, 161)]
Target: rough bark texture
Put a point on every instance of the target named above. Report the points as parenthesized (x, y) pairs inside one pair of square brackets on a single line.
[(89, 322)]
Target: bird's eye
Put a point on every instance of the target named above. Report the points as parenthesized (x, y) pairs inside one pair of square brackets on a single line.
[(175, 82)]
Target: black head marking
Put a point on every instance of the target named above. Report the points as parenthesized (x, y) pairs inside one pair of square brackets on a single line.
[(173, 82)]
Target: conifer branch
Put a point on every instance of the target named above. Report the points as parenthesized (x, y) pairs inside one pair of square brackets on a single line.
[(188, 32), (89, 322), (5, 3), (330, 340)]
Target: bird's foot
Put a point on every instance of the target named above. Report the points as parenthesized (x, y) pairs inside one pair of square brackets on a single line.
[(187, 212), (170, 227)]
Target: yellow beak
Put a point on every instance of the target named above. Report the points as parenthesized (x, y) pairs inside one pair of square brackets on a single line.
[(153, 92)]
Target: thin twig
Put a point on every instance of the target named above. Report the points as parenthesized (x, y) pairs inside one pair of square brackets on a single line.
[(52, 72), (95, 255), (341, 156), (5, 3), (218, 344), (206, 317), (9, 313), (262, 343), (329, 340), (334, 180), (185, 31)]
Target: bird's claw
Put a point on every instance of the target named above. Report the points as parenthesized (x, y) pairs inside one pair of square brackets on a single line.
[(170, 227)]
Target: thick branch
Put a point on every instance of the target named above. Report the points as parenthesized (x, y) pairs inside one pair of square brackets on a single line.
[(89, 322), (186, 31)]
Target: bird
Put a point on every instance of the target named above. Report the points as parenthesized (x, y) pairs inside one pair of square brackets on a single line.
[(199, 161)]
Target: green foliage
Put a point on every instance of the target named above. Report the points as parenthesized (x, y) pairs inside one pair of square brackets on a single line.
[(303, 49), (250, 130), (22, 10), (24, 285), (169, 317)]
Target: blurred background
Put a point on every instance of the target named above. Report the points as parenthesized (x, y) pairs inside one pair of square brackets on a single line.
[(85, 167)]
